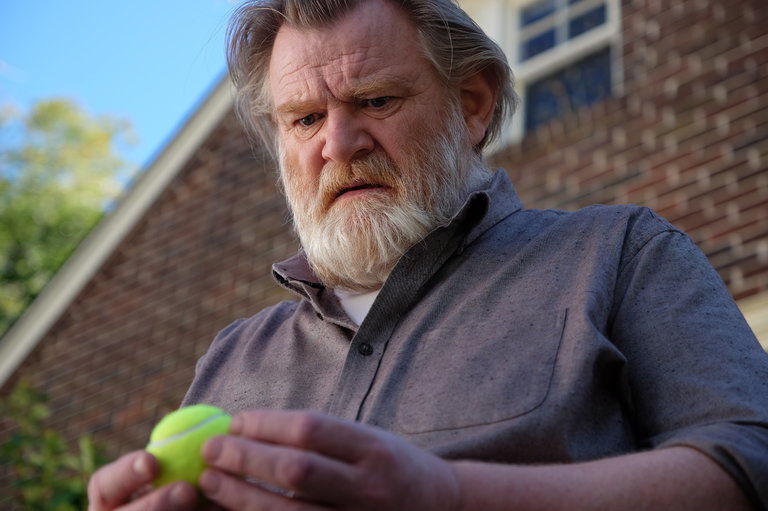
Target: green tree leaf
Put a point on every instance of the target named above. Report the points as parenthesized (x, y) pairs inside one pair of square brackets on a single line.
[(59, 170), (47, 474)]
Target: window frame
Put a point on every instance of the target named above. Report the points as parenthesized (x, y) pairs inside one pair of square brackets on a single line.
[(565, 52)]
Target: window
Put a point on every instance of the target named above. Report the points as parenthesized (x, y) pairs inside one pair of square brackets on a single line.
[(545, 24), (562, 56), (577, 85), (563, 53)]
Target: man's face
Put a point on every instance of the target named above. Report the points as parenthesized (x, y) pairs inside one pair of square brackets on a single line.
[(373, 148)]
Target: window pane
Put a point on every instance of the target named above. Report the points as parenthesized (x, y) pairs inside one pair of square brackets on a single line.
[(586, 22), (574, 87), (538, 44), (536, 11)]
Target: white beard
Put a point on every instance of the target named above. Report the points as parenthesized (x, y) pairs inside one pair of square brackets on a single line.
[(355, 244)]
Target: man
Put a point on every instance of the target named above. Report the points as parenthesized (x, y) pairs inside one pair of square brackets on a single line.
[(449, 350)]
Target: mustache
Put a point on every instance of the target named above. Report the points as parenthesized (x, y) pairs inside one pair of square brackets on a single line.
[(376, 169)]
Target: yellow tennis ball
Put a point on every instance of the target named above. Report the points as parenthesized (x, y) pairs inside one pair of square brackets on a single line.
[(178, 438)]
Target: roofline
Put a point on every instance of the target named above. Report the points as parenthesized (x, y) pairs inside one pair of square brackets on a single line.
[(102, 241)]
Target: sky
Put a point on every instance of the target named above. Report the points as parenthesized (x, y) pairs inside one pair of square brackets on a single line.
[(150, 62)]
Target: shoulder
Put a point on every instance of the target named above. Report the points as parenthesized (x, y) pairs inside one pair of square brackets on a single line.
[(236, 348), (637, 224), (609, 234), (629, 215), (631, 223), (248, 335), (265, 323)]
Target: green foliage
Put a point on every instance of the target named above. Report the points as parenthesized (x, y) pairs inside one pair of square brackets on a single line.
[(47, 475), (58, 170)]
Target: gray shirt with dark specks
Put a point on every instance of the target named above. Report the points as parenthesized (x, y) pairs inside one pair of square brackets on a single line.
[(519, 336)]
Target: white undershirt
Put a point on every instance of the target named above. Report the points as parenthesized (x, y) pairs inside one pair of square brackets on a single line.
[(356, 303)]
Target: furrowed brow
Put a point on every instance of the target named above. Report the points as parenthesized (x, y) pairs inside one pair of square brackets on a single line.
[(295, 107), (377, 86), (383, 86)]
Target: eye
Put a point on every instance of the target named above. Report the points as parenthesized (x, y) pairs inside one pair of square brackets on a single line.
[(377, 102), (309, 120)]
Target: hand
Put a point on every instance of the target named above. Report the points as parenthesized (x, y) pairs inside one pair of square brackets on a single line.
[(125, 484), (315, 462)]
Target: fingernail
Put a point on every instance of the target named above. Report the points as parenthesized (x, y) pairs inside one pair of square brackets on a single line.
[(209, 482), (236, 425), (182, 495), (212, 449), (141, 468)]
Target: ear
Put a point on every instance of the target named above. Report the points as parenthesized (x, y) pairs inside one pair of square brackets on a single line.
[(478, 99)]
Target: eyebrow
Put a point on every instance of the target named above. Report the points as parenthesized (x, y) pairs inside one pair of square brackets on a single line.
[(378, 85), (365, 88), (295, 107)]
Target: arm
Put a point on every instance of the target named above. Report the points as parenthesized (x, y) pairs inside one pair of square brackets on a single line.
[(673, 478), (324, 462)]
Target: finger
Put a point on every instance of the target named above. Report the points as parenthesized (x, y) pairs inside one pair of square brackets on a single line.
[(311, 475), (235, 493), (177, 496), (331, 436), (113, 484)]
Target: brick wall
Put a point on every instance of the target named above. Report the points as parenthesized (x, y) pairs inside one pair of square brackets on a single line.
[(687, 136)]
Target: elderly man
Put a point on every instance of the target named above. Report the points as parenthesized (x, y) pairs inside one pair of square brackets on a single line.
[(450, 350)]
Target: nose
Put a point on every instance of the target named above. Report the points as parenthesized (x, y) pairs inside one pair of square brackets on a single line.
[(345, 137)]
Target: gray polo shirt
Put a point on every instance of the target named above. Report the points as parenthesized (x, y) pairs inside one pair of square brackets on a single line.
[(519, 336)]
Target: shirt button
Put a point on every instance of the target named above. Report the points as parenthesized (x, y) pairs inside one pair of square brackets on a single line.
[(365, 349)]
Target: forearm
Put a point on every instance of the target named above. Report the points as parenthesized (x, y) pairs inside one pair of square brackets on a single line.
[(677, 478)]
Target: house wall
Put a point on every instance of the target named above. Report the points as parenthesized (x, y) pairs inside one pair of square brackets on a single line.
[(687, 136)]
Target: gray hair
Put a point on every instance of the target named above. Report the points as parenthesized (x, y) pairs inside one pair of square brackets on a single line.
[(457, 47)]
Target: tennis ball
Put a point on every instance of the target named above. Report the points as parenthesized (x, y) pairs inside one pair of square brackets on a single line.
[(178, 438)]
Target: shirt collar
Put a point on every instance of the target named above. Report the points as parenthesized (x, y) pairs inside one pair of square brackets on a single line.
[(501, 201)]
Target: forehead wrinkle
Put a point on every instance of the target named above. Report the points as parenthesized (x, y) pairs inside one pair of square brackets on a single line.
[(354, 59), (346, 75), (319, 54)]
